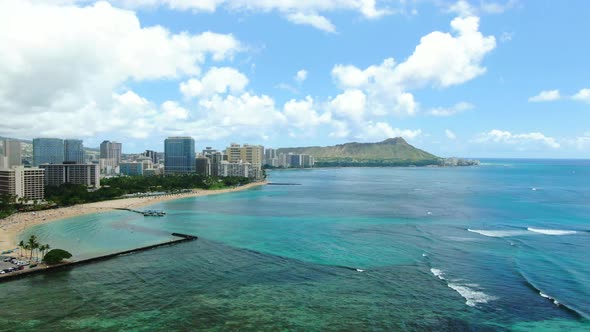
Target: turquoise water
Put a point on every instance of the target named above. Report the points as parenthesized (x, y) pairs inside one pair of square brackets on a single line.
[(349, 249)]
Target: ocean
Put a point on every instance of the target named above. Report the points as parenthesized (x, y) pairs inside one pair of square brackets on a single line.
[(504, 246)]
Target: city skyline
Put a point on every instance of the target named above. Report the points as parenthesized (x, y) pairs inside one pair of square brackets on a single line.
[(464, 78)]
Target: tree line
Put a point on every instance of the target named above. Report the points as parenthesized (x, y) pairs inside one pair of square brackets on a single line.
[(111, 188)]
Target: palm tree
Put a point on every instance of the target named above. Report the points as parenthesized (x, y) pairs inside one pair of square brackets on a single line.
[(26, 246), (33, 244), (44, 248), (21, 245)]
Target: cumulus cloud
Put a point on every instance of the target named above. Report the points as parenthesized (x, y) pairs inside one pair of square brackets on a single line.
[(582, 95), (546, 95), (350, 105), (317, 21), (440, 60), (298, 12), (215, 81), (522, 141), (64, 62), (301, 76), (464, 8), (444, 59), (450, 134), (303, 114), (448, 111), (376, 131)]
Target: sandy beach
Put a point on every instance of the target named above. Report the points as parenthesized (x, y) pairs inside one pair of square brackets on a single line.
[(12, 226)]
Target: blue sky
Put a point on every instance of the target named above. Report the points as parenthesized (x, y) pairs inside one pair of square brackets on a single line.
[(467, 78)]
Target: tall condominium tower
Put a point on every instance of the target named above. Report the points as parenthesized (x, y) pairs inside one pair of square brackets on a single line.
[(253, 154), (179, 155), (12, 155), (111, 150), (48, 151), (153, 155), (74, 151)]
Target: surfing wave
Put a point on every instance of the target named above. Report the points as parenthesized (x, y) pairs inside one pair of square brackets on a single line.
[(562, 306), (437, 273), (551, 231), (527, 231), (549, 298), (472, 297), (496, 233)]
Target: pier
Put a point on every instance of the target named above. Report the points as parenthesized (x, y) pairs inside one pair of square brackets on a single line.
[(146, 213), (283, 184), (66, 265)]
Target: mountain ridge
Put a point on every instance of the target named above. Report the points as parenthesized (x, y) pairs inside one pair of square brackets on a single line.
[(390, 152)]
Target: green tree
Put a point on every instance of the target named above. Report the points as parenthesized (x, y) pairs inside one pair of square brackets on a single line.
[(21, 246), (33, 244), (55, 256)]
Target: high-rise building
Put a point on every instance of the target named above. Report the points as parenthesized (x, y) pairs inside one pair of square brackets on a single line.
[(12, 154), (253, 154), (23, 182), (235, 169), (58, 174), (203, 166), (179, 155), (270, 157), (74, 151), (216, 158), (131, 168), (111, 150), (48, 151), (153, 155)]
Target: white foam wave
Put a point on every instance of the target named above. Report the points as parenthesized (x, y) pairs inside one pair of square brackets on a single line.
[(472, 297), (496, 233), (551, 231), (437, 273), (360, 270), (424, 255), (549, 297)]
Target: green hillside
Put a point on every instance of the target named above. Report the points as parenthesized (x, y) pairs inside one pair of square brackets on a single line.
[(391, 152)]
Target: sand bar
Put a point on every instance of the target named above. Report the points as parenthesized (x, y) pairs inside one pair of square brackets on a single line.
[(15, 224)]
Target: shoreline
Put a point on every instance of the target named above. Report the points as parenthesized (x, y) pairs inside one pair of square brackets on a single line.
[(15, 224)]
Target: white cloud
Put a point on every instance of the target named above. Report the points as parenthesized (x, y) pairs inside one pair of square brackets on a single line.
[(215, 81), (303, 114), (547, 95), (174, 111), (450, 134), (301, 76), (523, 141), (582, 95), (380, 130), (440, 60), (317, 21), (62, 63), (448, 111), (299, 12), (443, 59), (350, 104), (464, 8), (244, 110)]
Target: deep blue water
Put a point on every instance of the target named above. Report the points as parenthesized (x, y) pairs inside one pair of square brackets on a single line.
[(501, 246)]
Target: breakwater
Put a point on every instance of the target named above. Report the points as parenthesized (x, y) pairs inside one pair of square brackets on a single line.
[(67, 265)]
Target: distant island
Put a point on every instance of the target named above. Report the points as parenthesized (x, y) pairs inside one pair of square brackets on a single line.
[(388, 153)]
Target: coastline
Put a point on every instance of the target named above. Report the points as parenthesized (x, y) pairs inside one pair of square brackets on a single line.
[(15, 224)]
